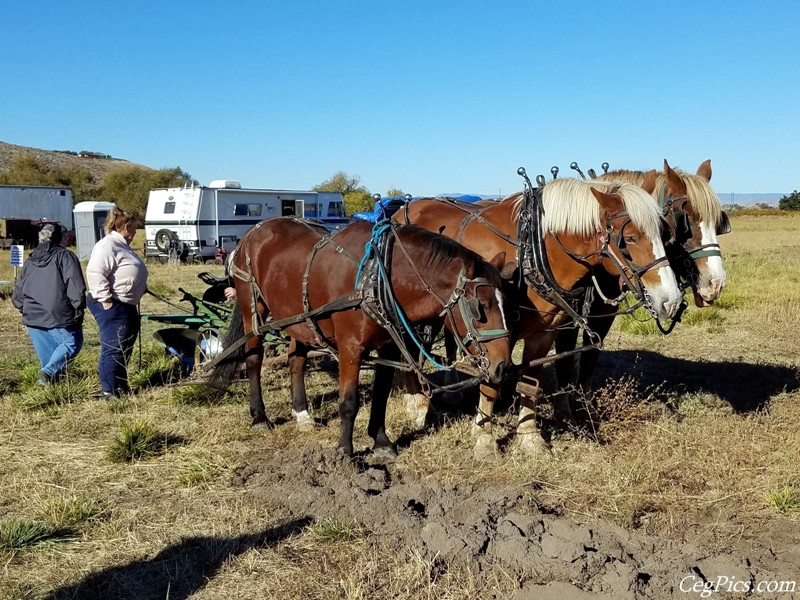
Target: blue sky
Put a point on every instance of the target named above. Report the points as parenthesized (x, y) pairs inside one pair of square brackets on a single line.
[(431, 97)]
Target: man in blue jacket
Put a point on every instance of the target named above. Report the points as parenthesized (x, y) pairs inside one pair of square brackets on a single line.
[(51, 295)]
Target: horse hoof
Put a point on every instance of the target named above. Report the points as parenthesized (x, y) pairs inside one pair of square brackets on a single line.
[(304, 421), (532, 444), (263, 423), (485, 450), (385, 453)]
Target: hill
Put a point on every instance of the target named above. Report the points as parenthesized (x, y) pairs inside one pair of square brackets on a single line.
[(97, 167)]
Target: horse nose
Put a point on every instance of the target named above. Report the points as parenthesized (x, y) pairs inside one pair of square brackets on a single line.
[(499, 372)]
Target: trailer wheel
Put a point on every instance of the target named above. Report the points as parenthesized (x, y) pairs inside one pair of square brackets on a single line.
[(209, 345), (164, 238)]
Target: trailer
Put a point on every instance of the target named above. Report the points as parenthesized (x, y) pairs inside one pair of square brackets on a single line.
[(199, 222), (37, 203)]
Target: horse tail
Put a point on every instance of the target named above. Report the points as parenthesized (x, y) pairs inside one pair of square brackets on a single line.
[(223, 372)]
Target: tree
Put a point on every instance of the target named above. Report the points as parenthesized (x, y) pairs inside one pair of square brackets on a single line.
[(26, 169), (130, 187), (394, 192), (356, 197), (790, 202)]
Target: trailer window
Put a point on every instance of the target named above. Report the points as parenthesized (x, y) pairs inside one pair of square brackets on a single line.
[(336, 209), (247, 210), (169, 208)]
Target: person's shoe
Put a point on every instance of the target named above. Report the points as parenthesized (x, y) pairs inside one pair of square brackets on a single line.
[(45, 378)]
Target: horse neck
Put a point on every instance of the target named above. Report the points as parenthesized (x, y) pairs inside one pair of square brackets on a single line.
[(421, 288)]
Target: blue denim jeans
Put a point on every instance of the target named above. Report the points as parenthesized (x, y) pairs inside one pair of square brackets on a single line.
[(56, 347), (119, 326)]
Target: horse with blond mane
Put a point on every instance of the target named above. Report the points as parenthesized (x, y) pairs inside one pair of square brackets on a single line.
[(579, 227), (695, 216)]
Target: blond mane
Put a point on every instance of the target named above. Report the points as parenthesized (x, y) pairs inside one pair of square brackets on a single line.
[(570, 207), (698, 191)]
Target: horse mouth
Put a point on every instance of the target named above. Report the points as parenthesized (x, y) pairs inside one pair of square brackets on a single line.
[(701, 302)]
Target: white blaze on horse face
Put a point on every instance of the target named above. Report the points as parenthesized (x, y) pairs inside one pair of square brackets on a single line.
[(499, 297), (712, 277), (666, 298)]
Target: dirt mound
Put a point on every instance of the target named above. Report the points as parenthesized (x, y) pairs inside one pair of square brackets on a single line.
[(500, 528)]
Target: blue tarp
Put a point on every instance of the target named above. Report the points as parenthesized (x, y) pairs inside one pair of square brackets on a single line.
[(389, 206)]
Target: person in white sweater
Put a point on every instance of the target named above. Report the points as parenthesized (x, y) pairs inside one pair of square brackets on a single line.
[(117, 280)]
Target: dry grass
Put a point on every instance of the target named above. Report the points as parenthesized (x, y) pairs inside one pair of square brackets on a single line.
[(699, 440)]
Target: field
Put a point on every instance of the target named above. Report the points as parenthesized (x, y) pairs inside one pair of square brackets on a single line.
[(692, 475)]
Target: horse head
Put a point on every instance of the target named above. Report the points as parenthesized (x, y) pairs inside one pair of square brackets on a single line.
[(696, 218), (632, 241), (469, 296)]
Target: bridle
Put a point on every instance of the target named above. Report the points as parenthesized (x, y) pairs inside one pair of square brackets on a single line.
[(386, 311)]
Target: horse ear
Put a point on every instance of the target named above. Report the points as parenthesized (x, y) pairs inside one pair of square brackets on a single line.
[(499, 260), (704, 170), (611, 204), (674, 180), (649, 183)]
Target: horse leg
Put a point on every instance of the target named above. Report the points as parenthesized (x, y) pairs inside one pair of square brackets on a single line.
[(298, 356), (588, 363), (563, 400), (485, 447), (383, 447), (530, 438), (254, 357), (349, 367)]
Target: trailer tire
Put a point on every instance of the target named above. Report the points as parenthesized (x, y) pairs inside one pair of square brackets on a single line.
[(164, 238)]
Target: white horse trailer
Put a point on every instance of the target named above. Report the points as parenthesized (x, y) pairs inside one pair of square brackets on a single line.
[(201, 219)]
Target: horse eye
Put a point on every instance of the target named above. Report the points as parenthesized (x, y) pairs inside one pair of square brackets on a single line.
[(629, 239)]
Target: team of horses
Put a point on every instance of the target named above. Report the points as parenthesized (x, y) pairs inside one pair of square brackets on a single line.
[(538, 267)]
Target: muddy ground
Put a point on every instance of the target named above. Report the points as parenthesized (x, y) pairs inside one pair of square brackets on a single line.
[(503, 528)]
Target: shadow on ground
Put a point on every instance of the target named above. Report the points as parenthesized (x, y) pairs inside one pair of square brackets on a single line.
[(745, 386), (176, 572)]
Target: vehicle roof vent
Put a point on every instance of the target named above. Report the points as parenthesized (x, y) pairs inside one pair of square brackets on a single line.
[(230, 184)]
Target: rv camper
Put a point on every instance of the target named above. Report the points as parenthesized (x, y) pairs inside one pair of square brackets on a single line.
[(197, 220)]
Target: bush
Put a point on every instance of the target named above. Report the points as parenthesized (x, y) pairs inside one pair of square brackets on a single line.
[(790, 202)]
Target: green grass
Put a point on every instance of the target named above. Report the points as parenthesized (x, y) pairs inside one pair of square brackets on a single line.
[(138, 440), (20, 533), (333, 531), (69, 391), (784, 500)]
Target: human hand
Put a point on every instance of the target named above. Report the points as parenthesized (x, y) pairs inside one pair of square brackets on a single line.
[(230, 292), (107, 305)]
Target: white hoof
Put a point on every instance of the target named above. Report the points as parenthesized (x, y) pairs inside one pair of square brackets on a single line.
[(305, 421), (532, 444), (485, 450)]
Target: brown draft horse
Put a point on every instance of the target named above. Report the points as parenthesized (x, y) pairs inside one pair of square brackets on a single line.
[(588, 226), (282, 267), (694, 214)]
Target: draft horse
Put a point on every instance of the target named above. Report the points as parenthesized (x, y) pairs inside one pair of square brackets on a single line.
[(585, 227), (695, 217), (322, 289)]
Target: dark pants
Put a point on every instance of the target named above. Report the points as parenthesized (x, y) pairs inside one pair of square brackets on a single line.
[(119, 326)]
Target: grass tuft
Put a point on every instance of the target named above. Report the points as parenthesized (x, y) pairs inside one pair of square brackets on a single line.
[(784, 500), (69, 391), (199, 473), (19, 533), (138, 440), (71, 511), (333, 531)]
